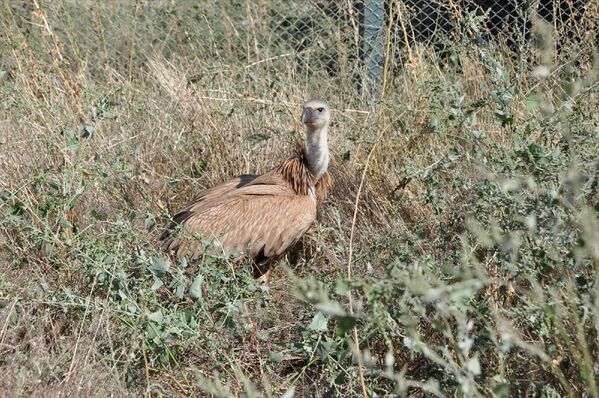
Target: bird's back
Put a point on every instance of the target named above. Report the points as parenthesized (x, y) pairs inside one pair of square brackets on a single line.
[(261, 217)]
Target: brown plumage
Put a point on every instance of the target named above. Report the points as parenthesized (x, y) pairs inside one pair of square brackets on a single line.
[(260, 217)]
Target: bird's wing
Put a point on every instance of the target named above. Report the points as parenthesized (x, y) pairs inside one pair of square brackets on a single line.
[(205, 198), (224, 188), (261, 219)]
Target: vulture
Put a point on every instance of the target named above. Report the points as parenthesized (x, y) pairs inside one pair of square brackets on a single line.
[(259, 216)]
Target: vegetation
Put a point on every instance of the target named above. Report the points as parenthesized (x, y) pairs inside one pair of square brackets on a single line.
[(460, 248)]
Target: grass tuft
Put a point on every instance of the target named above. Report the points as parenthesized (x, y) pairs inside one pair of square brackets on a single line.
[(475, 247)]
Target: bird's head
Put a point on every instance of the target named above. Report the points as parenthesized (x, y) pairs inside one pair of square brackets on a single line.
[(316, 114)]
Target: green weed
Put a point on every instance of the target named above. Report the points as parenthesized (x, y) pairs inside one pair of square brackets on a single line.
[(476, 237)]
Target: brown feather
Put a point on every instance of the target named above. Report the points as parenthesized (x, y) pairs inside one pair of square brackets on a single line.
[(323, 186), (207, 195), (260, 217), (295, 171)]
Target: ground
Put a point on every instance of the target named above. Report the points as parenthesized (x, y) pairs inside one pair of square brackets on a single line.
[(459, 247)]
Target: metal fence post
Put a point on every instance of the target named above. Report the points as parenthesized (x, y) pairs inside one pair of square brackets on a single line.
[(372, 46)]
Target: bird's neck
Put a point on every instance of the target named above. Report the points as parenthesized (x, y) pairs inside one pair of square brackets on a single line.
[(317, 151)]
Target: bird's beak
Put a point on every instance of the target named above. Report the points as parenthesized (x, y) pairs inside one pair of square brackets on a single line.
[(307, 116)]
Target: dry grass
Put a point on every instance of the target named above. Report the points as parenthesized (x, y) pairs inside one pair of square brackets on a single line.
[(104, 132)]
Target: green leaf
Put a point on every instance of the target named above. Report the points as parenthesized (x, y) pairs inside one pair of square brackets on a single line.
[(319, 323), (479, 134), (87, 131), (473, 366), (159, 266), (157, 284), (532, 101), (65, 223), (325, 348), (76, 197), (156, 317), (17, 209), (346, 323), (179, 290), (195, 290), (332, 308), (276, 357), (453, 154), (98, 216), (504, 117), (55, 183), (341, 287), (182, 262), (73, 143)]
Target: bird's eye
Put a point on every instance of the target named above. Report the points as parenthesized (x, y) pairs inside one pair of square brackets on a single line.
[(320, 109)]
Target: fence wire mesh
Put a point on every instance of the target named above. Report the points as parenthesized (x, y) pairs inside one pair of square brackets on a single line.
[(346, 40), (339, 34)]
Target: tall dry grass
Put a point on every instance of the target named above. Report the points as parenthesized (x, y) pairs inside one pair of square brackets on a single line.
[(474, 250)]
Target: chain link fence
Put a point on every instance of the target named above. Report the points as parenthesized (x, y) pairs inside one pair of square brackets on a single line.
[(344, 39), (356, 37)]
